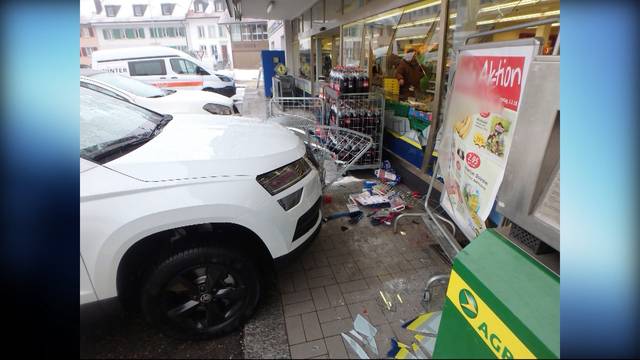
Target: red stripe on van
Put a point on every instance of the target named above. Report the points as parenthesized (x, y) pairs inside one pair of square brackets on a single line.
[(179, 84)]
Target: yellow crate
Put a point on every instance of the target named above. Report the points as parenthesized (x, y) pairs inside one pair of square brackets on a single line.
[(391, 86)]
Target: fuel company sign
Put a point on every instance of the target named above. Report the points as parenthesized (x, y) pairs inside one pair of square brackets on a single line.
[(485, 323)]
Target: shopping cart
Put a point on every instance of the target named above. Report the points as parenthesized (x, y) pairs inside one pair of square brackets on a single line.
[(334, 150)]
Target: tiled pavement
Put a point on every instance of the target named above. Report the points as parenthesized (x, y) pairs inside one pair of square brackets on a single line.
[(341, 275)]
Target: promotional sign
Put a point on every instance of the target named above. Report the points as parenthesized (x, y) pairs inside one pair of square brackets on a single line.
[(479, 125)]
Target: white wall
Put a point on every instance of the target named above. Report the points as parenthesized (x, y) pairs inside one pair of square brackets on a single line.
[(220, 37), (276, 33), (148, 40)]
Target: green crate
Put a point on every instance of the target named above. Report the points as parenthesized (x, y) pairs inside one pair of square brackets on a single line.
[(419, 124), (401, 109)]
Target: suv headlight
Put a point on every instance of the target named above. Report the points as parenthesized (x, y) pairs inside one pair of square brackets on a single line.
[(218, 109), (224, 78), (283, 177)]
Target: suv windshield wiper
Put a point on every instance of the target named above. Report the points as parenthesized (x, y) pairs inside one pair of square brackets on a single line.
[(124, 144), (166, 92), (162, 123)]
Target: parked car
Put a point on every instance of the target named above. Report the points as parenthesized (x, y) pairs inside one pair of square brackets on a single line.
[(164, 101), (163, 67), (185, 215)]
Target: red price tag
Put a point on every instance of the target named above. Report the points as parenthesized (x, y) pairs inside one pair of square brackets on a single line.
[(473, 160)]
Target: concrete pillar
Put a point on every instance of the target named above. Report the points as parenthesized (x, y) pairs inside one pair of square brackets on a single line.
[(288, 45)]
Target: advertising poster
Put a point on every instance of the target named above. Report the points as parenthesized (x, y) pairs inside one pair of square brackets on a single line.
[(480, 122)]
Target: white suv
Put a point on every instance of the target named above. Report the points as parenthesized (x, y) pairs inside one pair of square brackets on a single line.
[(184, 216)]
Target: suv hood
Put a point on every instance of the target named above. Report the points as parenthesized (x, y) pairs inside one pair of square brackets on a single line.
[(194, 146), (196, 97)]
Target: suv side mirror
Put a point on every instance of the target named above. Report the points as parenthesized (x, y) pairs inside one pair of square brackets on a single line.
[(201, 71)]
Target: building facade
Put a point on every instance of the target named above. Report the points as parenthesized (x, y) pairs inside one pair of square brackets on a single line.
[(248, 38), (88, 43), (275, 29), (192, 26), (209, 40)]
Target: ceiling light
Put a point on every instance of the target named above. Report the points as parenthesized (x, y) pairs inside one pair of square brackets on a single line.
[(270, 6), (400, 11), (520, 17), (508, 5)]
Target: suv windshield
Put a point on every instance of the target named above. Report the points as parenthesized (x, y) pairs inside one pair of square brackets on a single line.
[(133, 86), (110, 128)]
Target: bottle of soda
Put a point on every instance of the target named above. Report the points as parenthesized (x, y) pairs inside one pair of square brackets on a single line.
[(344, 82), (360, 81), (351, 81), (365, 82)]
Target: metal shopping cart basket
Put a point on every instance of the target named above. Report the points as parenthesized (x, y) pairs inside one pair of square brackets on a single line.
[(334, 150)]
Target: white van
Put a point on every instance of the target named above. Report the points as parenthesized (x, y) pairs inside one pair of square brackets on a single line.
[(163, 67)]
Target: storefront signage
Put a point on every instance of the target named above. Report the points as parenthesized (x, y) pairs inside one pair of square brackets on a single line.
[(480, 121)]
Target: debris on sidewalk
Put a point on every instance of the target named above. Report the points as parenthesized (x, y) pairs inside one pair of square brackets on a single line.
[(365, 333), (355, 347), (361, 325), (426, 323)]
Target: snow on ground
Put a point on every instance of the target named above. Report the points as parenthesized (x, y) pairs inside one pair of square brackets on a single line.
[(245, 74)]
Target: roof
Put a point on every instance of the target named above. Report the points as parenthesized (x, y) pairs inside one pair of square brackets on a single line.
[(153, 11)]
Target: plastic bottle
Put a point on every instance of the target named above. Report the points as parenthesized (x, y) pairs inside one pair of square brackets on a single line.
[(365, 82)]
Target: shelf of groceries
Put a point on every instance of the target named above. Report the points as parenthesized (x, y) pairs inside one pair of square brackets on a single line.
[(407, 122)]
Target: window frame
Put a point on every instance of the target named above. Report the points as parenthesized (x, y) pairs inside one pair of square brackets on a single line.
[(114, 8), (170, 11), (131, 66), (143, 8)]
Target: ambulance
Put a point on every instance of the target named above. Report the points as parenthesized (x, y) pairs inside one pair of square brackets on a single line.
[(163, 67)]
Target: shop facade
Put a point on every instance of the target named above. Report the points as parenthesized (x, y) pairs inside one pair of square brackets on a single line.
[(376, 37)]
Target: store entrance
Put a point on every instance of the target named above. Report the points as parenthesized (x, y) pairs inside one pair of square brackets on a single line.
[(327, 53)]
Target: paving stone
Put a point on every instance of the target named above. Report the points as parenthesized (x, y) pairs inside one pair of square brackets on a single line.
[(309, 262), (320, 299), (311, 326), (309, 349), (370, 310), (299, 308), (295, 331), (346, 273), (285, 283), (296, 297), (299, 281), (373, 282), (334, 313), (335, 295), (340, 258), (374, 271), (322, 281), (335, 327), (335, 347), (321, 259), (352, 286), (319, 272), (361, 295)]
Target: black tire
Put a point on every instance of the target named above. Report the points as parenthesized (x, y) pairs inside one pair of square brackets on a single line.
[(201, 293)]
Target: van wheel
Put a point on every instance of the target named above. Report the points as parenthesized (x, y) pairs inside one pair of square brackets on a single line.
[(201, 293)]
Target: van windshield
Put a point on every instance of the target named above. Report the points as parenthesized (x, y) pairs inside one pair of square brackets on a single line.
[(133, 86)]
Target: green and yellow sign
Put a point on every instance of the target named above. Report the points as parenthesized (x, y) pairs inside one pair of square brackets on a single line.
[(487, 325)]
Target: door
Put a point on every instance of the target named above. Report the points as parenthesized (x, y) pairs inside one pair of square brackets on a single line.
[(87, 294), (225, 55), (153, 72), (185, 74)]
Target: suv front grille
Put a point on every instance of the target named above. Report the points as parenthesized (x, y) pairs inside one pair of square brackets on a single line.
[(307, 220)]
